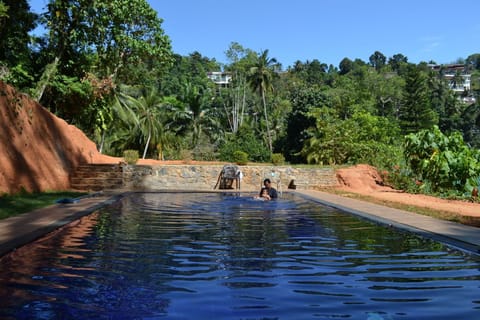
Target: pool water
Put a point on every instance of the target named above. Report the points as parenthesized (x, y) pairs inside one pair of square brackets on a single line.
[(226, 256)]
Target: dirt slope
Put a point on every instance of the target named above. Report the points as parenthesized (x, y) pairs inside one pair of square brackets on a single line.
[(38, 149), (365, 180)]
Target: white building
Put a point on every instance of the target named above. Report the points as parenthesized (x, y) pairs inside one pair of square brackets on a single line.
[(456, 75), (220, 78)]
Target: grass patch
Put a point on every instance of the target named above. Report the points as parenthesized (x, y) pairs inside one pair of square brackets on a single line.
[(443, 215), (11, 205)]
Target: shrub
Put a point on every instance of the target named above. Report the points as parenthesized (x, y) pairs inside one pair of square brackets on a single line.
[(186, 156), (244, 140), (240, 157), (130, 156), (442, 162), (278, 159)]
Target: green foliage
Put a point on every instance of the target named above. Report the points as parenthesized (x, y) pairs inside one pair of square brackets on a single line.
[(364, 138), (16, 59), (18, 77), (377, 60), (3, 10), (246, 141), (186, 71), (196, 116), (16, 22), (278, 159), (186, 155), (260, 79), (416, 112), (312, 72), (442, 162), (72, 92), (400, 178), (144, 110), (240, 157), (130, 156), (304, 99), (120, 32)]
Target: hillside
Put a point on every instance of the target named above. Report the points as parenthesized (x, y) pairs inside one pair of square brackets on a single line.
[(38, 149)]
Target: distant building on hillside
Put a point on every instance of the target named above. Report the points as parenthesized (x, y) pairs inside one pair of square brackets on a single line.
[(456, 75), (220, 78), (458, 79)]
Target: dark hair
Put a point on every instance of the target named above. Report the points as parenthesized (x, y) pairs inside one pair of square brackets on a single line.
[(266, 180)]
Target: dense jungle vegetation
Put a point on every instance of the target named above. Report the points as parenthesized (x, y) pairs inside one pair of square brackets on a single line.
[(108, 68)]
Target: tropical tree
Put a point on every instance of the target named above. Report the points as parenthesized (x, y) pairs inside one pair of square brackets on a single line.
[(303, 99), (312, 72), (115, 41), (445, 103), (16, 22), (377, 60), (470, 125), (192, 69), (473, 61), (361, 138), (145, 111), (416, 112), (384, 92), (397, 62), (196, 100), (260, 79), (346, 65), (235, 97), (121, 32), (245, 140)]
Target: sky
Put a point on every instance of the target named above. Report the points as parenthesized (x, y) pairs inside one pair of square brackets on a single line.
[(327, 30)]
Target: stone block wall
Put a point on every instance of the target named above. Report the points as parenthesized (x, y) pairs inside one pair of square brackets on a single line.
[(205, 177)]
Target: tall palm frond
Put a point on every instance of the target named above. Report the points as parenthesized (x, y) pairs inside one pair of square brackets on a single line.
[(260, 79)]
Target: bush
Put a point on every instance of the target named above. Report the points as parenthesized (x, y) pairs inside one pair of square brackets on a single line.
[(130, 156), (244, 140), (186, 156), (278, 159), (444, 163), (240, 157), (399, 177)]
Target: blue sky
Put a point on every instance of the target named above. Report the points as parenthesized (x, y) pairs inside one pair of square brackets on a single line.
[(327, 30)]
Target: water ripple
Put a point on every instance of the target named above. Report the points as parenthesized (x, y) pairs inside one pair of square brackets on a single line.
[(203, 256)]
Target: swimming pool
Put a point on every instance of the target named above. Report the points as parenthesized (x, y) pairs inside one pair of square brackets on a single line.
[(224, 256)]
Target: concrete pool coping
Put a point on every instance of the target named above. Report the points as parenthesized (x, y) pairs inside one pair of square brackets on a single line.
[(455, 234), (25, 228)]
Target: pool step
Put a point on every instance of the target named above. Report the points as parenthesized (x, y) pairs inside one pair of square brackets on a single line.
[(96, 177)]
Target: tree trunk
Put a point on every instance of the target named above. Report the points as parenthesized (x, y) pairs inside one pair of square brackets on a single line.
[(50, 71), (266, 121), (146, 145), (102, 142)]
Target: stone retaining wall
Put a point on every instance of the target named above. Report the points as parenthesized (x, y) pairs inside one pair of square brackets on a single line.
[(205, 177)]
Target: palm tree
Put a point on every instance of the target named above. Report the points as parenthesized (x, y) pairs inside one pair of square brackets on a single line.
[(145, 112), (197, 114), (194, 98), (260, 79)]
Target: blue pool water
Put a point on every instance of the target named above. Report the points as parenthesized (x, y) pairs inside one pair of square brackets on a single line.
[(219, 256)]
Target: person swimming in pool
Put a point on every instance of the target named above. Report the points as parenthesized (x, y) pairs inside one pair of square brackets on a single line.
[(263, 195), (267, 185)]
